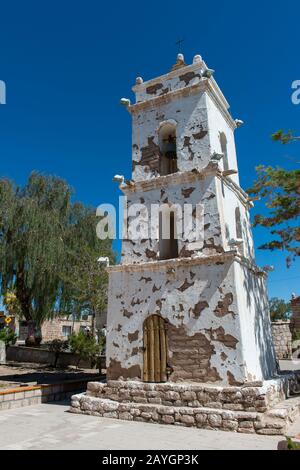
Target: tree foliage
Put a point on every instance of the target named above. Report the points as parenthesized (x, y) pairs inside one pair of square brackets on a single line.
[(12, 304), (43, 237), (279, 309), (85, 346), (285, 137), (281, 190), (7, 336)]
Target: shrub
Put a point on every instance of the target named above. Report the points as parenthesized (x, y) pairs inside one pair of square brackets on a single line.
[(296, 335), (291, 445), (8, 336), (57, 346), (85, 346)]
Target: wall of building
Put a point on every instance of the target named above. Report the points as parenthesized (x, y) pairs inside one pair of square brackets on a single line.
[(295, 303), (212, 296), (229, 201), (199, 191), (218, 123), (53, 329), (253, 308), (189, 115), (182, 97), (282, 338), (210, 335)]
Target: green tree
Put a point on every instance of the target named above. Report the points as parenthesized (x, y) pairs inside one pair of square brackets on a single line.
[(41, 234), (281, 190), (285, 137), (279, 309), (87, 282)]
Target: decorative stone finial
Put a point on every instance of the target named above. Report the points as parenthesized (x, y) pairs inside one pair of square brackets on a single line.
[(179, 62), (238, 122), (208, 73), (197, 58), (139, 80), (125, 102)]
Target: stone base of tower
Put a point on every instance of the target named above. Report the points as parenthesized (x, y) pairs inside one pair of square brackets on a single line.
[(259, 407)]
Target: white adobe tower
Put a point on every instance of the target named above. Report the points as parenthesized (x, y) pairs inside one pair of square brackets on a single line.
[(188, 331), (187, 309)]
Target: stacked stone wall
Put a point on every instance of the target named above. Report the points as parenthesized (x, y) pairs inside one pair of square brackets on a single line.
[(282, 338), (251, 398)]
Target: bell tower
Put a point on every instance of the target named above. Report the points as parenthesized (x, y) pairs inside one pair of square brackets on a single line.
[(189, 338), (187, 302), (187, 106)]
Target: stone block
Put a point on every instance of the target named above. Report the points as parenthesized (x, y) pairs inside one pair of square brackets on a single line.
[(167, 419), (146, 415), (110, 406), (187, 420), (188, 396), (110, 414), (165, 410), (172, 396), (229, 424), (215, 420), (201, 418), (156, 401)]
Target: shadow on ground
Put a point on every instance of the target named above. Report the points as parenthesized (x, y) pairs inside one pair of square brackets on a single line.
[(42, 374)]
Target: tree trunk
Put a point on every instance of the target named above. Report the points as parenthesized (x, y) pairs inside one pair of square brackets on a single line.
[(34, 337)]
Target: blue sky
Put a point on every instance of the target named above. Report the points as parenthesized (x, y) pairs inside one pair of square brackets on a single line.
[(67, 64)]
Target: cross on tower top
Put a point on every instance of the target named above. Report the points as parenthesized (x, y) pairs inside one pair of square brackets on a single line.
[(179, 43)]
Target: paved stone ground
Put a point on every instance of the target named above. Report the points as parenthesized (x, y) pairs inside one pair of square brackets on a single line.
[(50, 426), (291, 364)]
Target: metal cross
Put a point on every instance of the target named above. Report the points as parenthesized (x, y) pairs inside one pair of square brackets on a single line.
[(179, 43)]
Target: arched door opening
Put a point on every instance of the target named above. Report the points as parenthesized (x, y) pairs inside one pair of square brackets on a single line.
[(155, 349), (167, 144)]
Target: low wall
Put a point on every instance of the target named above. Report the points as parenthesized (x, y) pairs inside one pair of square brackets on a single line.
[(34, 395), (44, 356), (282, 338)]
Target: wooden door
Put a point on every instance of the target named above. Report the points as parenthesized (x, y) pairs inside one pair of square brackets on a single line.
[(155, 349)]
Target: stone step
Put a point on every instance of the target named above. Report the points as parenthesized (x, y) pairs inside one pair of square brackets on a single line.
[(255, 397), (281, 416), (201, 417)]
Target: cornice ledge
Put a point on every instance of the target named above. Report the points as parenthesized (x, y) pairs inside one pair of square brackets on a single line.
[(241, 194), (174, 263), (172, 179), (205, 84), (167, 97), (167, 76)]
